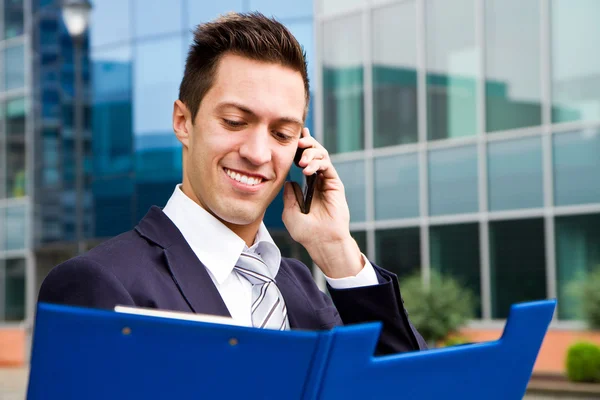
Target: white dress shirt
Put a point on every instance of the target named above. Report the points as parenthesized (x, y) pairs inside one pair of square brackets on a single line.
[(219, 249)]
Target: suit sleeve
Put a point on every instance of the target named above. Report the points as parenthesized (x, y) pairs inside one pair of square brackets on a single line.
[(84, 282), (383, 303)]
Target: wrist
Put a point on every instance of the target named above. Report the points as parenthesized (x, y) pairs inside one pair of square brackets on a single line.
[(337, 259)]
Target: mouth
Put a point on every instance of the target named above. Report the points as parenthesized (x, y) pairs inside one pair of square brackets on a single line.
[(244, 178)]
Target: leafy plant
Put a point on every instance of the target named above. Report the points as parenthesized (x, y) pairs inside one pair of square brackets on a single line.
[(583, 362), (438, 309), (591, 299), (454, 340)]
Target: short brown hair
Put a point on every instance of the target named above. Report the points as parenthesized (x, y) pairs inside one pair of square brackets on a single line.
[(250, 35)]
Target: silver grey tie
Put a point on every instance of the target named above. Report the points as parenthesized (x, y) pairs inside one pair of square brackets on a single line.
[(268, 307)]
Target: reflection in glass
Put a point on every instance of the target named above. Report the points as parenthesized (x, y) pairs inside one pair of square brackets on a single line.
[(577, 167), (329, 7), (112, 119), (343, 110), (111, 22), (14, 62), (157, 73), (282, 9), (515, 176), (113, 205), (575, 60), (304, 33), (512, 89), (399, 250), (14, 228), (203, 11), (12, 287), (361, 240), (453, 181), (352, 174), (14, 112), (395, 75), (454, 252), (517, 263), (157, 17), (397, 187), (577, 254), (13, 18), (49, 158), (451, 69)]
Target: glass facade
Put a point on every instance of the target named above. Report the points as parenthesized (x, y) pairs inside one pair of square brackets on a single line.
[(450, 123), (478, 126), (452, 68), (15, 153)]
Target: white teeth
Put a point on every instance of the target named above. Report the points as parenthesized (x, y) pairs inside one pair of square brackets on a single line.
[(247, 180)]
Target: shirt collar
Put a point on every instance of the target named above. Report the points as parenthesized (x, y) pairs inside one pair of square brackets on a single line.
[(215, 245)]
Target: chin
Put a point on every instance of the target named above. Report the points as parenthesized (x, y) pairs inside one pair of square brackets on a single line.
[(234, 214)]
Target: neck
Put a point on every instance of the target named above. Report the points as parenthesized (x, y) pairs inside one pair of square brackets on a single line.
[(246, 232)]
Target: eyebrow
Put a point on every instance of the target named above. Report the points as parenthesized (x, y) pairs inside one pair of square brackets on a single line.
[(246, 110)]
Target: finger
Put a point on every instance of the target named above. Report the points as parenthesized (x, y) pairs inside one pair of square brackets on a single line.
[(323, 167), (312, 153), (306, 140)]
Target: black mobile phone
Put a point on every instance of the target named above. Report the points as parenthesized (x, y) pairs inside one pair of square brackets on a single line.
[(304, 197)]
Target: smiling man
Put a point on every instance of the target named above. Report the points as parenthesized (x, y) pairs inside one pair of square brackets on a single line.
[(240, 119)]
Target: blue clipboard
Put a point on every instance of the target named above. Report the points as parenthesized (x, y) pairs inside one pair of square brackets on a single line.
[(81, 353)]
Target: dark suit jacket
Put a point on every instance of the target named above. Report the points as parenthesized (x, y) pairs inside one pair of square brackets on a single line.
[(153, 266)]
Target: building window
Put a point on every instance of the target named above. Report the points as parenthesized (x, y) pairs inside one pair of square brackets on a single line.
[(515, 175), (12, 289), (517, 263), (577, 167), (397, 186), (512, 89), (343, 108), (577, 254), (14, 63), (352, 174), (453, 181), (157, 17), (452, 69), (575, 60), (454, 252), (394, 75), (399, 250), (13, 18)]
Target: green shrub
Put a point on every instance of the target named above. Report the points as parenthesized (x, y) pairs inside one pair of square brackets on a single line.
[(591, 299), (583, 362), (439, 310)]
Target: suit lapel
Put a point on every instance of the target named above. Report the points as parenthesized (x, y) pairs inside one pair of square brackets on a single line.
[(189, 274)]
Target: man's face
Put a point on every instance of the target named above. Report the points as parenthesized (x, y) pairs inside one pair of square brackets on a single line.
[(244, 138)]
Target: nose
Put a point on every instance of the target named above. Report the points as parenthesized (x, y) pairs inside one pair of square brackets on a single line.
[(256, 147)]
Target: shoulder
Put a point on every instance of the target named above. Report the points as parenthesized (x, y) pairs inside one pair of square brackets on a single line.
[(301, 274), (114, 265), (296, 268)]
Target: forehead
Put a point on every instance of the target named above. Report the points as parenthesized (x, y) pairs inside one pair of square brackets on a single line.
[(268, 89)]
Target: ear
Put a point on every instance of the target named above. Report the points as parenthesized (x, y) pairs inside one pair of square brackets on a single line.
[(181, 127)]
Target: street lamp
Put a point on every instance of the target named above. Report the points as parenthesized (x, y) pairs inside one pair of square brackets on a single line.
[(76, 15)]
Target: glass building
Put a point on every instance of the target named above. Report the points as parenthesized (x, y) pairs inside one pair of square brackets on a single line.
[(467, 134)]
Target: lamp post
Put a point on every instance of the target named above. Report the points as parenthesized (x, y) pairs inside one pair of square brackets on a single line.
[(76, 15)]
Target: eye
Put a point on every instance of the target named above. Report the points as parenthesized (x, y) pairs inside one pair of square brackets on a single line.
[(234, 124), (282, 136)]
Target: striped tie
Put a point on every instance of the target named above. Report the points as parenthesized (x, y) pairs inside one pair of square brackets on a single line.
[(268, 307)]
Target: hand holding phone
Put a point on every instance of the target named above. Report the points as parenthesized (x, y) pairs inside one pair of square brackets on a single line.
[(304, 199)]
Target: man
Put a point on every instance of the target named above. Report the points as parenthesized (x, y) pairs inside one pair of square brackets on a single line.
[(240, 117)]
